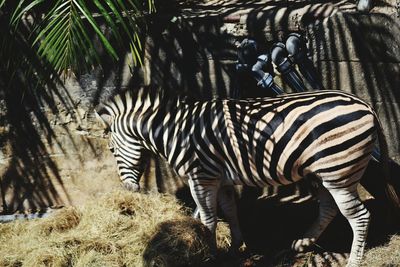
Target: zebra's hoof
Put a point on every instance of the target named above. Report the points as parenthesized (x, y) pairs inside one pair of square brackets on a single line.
[(301, 245)]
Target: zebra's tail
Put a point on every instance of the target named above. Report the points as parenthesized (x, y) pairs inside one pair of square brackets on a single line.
[(384, 160)]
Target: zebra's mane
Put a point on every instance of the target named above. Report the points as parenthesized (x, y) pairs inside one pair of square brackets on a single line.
[(155, 97), (119, 102)]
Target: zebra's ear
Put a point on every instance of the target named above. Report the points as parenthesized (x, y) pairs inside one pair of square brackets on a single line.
[(104, 117)]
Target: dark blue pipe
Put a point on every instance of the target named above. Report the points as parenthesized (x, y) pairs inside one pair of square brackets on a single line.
[(284, 65), (297, 49)]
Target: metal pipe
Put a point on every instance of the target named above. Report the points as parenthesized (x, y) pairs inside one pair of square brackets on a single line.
[(256, 65), (284, 65), (297, 50)]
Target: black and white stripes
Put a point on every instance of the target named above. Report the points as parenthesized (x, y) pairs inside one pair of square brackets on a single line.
[(257, 142)]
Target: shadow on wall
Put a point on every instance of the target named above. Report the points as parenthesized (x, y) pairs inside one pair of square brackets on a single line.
[(25, 128), (35, 109), (185, 57)]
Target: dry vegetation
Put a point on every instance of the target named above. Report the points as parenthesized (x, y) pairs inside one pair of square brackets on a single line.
[(130, 229), (385, 256), (118, 229)]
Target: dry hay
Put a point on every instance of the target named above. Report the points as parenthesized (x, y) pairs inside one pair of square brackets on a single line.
[(128, 229), (63, 220), (178, 243), (384, 256), (113, 230)]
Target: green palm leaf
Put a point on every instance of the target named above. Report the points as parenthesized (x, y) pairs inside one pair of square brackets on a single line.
[(65, 36)]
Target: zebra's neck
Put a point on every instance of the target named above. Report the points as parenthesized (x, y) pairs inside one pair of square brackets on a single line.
[(163, 125)]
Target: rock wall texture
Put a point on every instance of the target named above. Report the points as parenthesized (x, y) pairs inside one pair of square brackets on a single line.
[(53, 152)]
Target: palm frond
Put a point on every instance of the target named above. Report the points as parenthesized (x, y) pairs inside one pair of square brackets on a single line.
[(2, 2), (65, 36)]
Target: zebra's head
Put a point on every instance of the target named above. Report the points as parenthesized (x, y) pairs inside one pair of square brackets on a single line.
[(126, 149)]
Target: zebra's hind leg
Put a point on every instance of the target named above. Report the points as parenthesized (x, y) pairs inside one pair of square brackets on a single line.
[(226, 200), (327, 211), (354, 211)]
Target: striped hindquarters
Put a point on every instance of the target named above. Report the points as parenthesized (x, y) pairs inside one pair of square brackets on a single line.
[(280, 140)]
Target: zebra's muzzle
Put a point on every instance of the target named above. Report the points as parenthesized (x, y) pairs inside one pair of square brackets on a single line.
[(131, 186)]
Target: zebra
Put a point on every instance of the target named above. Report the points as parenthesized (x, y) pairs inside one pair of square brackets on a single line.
[(258, 142)]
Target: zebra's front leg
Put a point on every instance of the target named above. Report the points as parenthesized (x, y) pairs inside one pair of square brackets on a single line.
[(327, 211), (226, 200), (205, 193)]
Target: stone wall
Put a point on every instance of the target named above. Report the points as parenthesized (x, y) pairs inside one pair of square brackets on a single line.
[(52, 151)]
